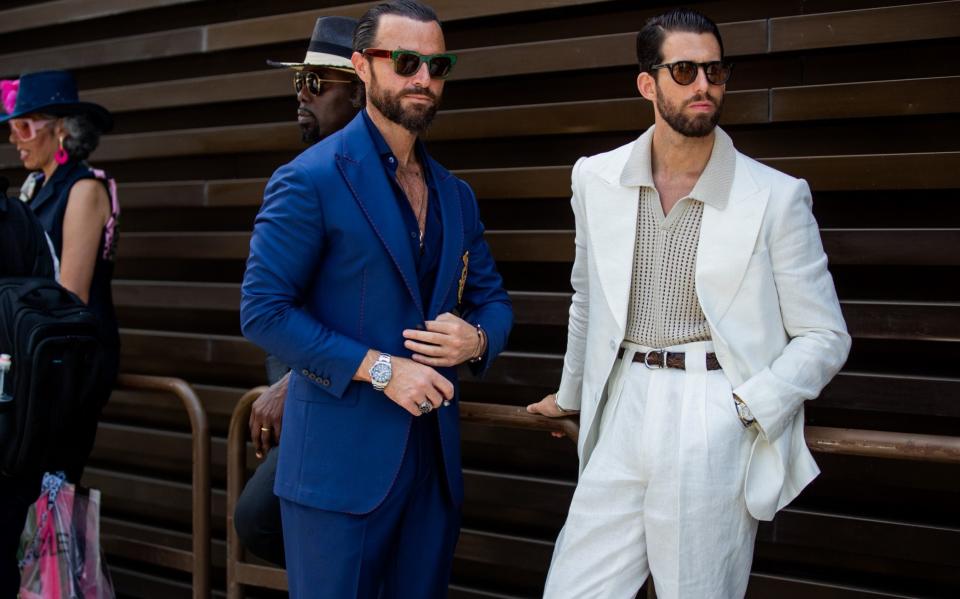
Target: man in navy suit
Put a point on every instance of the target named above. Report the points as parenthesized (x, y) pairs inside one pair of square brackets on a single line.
[(368, 274)]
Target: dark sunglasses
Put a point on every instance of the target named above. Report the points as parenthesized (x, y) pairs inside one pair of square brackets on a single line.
[(406, 63), (685, 72), (313, 82)]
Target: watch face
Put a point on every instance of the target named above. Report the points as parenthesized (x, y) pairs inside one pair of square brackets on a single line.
[(380, 372)]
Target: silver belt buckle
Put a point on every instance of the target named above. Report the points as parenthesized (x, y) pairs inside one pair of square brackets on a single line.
[(663, 359)]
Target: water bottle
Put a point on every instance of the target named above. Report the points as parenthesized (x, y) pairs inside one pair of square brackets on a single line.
[(6, 399), (5, 363)]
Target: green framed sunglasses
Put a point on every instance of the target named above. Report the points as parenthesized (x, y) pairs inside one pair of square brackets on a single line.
[(406, 63)]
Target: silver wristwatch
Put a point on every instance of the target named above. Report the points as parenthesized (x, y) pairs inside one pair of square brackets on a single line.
[(743, 411), (381, 372), (562, 409)]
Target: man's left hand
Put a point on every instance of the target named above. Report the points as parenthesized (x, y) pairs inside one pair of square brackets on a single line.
[(448, 341)]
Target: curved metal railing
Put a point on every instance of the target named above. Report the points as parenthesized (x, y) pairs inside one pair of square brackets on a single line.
[(198, 561)]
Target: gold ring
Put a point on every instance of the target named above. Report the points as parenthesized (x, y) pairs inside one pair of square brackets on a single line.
[(265, 429)]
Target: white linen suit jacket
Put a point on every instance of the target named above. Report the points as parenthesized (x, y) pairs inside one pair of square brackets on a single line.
[(763, 285)]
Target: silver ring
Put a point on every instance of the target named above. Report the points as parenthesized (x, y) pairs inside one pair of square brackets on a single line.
[(425, 406)]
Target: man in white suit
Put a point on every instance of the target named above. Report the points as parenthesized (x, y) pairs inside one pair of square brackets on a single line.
[(703, 316)]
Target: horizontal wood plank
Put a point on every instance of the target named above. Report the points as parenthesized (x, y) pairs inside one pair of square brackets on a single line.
[(851, 390), (931, 170), (58, 12), (586, 53), (922, 170), (131, 494), (245, 33), (883, 25), (907, 97), (843, 246)]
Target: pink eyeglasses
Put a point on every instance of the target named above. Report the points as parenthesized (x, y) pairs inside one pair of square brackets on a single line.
[(26, 129)]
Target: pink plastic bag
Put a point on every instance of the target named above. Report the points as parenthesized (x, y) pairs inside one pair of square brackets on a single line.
[(60, 545)]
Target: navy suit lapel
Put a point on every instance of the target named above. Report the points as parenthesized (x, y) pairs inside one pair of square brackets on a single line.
[(361, 168), (451, 215)]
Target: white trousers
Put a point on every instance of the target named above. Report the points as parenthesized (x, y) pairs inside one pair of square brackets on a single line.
[(662, 492)]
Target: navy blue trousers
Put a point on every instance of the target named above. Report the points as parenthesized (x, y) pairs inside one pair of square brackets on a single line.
[(401, 550)]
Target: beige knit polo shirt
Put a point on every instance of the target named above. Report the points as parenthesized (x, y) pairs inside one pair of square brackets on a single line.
[(663, 308)]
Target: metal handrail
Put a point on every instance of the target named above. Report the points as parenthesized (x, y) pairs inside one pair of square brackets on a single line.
[(865, 443), (236, 470), (200, 428)]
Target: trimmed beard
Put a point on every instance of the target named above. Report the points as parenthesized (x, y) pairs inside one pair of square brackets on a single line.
[(414, 120), (310, 135), (698, 126)]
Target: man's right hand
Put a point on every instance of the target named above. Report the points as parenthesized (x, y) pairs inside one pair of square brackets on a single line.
[(548, 407), (413, 382), (266, 416)]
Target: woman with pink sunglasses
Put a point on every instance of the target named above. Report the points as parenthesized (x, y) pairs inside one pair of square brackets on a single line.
[(77, 206)]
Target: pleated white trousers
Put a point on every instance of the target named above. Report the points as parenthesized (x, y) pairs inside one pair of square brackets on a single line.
[(662, 492)]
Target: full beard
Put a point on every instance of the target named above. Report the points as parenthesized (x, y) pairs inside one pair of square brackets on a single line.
[(415, 119), (696, 126)]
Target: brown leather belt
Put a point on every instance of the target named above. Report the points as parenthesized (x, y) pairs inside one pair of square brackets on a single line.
[(665, 359)]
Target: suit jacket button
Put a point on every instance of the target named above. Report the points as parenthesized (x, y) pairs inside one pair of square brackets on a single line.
[(326, 382), (305, 372)]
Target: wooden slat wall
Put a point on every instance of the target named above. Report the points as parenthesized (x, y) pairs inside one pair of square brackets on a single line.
[(857, 96)]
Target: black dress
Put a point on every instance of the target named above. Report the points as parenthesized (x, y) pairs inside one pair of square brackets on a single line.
[(49, 202)]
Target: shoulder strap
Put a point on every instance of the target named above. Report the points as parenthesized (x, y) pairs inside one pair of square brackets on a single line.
[(109, 229)]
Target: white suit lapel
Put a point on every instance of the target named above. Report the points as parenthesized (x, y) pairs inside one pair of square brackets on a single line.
[(612, 223), (613, 216), (727, 239)]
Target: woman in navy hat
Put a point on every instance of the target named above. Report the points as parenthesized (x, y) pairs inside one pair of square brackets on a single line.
[(77, 205)]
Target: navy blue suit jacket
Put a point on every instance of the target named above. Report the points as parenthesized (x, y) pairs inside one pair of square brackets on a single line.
[(330, 275)]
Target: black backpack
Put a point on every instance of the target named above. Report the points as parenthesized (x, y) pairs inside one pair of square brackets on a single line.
[(57, 356), (24, 250)]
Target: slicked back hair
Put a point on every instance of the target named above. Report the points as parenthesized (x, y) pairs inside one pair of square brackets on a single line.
[(365, 34), (650, 38)]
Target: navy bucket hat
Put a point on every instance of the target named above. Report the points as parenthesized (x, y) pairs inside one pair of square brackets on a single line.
[(53, 93)]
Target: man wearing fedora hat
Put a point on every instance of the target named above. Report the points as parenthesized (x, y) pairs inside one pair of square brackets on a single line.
[(329, 95), (327, 87)]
